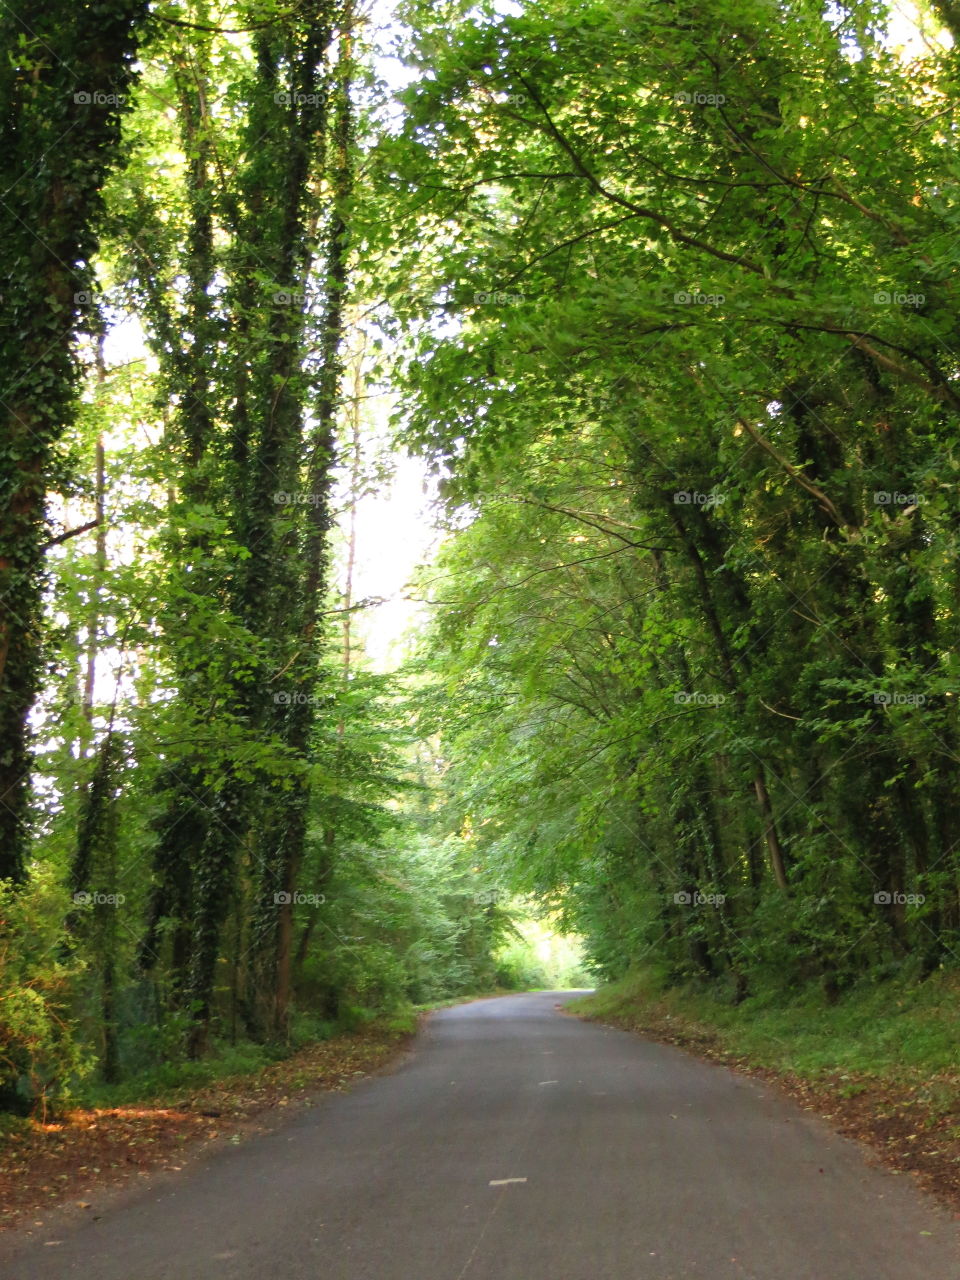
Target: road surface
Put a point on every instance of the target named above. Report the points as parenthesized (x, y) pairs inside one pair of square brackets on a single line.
[(518, 1143)]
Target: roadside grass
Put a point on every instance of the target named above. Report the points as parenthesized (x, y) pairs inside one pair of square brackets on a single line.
[(171, 1080), (893, 1030), (231, 1064)]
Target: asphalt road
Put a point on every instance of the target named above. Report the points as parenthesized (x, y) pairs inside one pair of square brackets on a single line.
[(518, 1143)]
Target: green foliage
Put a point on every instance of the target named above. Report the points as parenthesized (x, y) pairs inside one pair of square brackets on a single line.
[(695, 419), (667, 297), (405, 923), (536, 958), (41, 1058), (213, 759)]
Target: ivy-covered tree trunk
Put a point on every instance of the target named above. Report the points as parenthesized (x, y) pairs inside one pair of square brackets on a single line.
[(66, 76), (285, 837), (186, 335)]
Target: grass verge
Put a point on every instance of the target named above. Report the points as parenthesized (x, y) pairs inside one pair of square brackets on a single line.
[(882, 1064)]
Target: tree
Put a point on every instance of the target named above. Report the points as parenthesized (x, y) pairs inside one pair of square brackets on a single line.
[(680, 259), (63, 90)]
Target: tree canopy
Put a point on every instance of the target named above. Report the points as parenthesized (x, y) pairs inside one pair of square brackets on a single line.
[(663, 296)]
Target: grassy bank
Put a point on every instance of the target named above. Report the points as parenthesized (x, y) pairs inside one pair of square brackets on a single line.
[(882, 1063), (179, 1077), (889, 1029)]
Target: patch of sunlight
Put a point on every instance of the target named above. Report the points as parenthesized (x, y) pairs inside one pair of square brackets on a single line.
[(543, 957)]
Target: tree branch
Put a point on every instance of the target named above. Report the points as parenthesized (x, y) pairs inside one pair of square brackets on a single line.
[(70, 533), (641, 211), (794, 472)]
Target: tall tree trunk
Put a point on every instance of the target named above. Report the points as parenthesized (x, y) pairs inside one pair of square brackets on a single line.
[(731, 680), (320, 474), (70, 53)]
